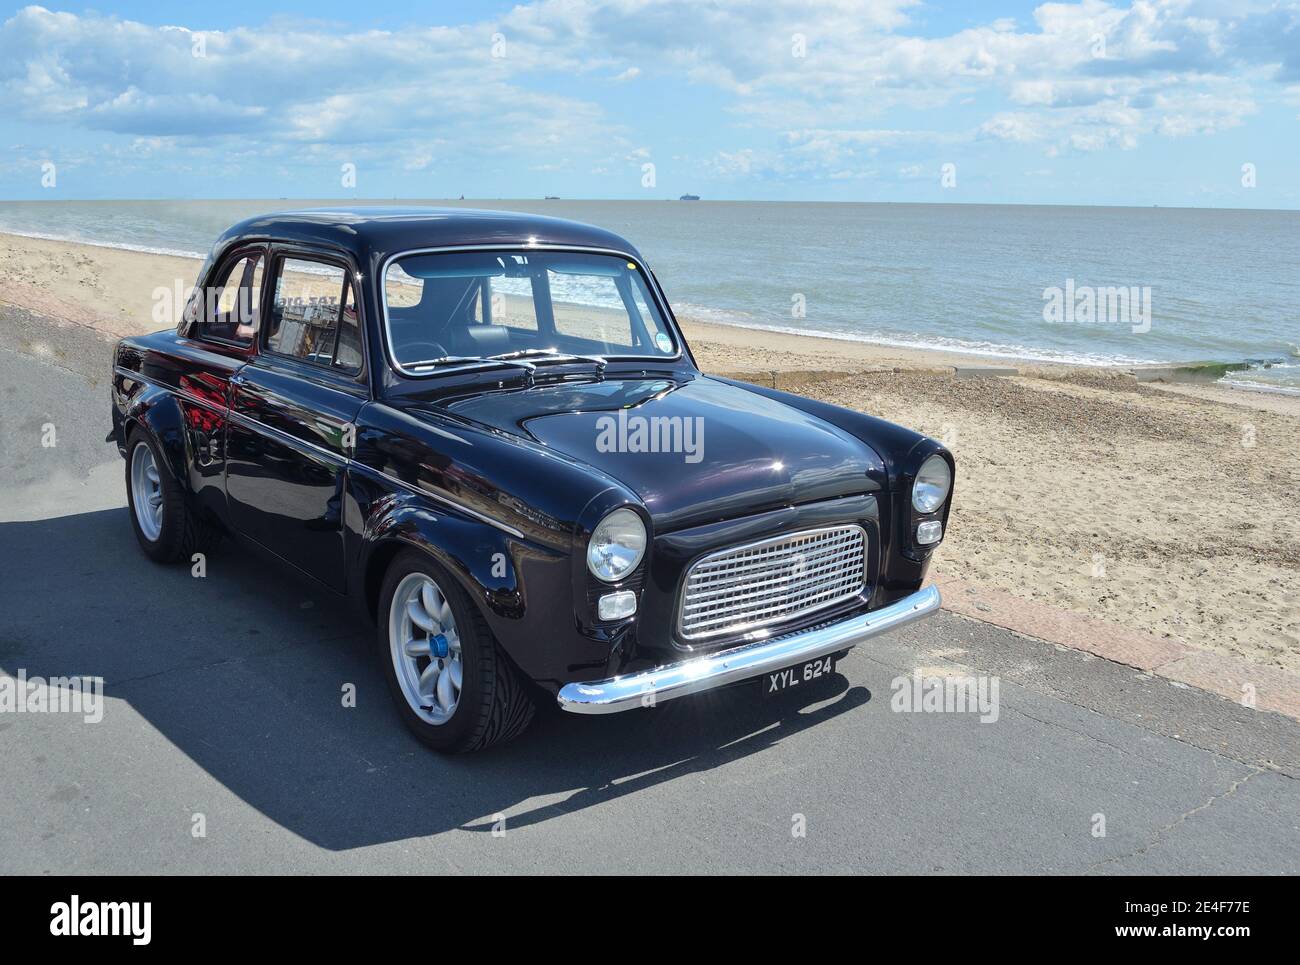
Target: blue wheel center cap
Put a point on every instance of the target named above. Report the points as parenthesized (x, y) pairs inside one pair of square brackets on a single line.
[(438, 645)]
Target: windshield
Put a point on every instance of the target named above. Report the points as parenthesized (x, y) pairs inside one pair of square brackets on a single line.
[(455, 306)]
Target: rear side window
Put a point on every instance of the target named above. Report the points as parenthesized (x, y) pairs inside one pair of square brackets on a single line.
[(231, 304), (314, 315)]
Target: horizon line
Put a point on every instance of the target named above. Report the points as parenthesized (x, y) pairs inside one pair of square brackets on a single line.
[(462, 200)]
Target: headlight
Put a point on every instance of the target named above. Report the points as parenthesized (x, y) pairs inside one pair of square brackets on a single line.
[(616, 546), (932, 484)]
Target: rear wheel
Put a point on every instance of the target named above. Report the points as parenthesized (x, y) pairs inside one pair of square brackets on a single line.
[(165, 526), (452, 686)]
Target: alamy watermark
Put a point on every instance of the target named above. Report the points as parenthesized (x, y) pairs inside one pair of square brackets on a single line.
[(919, 694), (129, 919), (1107, 305), (57, 695), (663, 434)]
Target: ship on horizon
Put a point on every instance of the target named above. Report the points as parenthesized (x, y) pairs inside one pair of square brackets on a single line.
[(689, 197)]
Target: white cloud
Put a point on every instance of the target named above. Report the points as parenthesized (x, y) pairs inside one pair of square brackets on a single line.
[(1020, 128), (283, 89), (742, 162), (1086, 75), (1081, 76), (418, 162)]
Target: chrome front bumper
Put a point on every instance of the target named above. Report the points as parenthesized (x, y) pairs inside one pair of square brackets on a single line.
[(741, 663)]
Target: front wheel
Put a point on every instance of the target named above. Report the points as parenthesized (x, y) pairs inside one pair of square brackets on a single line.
[(452, 686)]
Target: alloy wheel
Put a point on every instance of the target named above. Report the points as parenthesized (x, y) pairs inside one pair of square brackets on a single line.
[(146, 492), (425, 648)]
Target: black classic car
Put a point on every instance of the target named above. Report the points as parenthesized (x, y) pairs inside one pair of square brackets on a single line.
[(486, 429)]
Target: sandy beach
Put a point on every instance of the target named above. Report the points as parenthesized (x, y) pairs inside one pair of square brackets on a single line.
[(1165, 508)]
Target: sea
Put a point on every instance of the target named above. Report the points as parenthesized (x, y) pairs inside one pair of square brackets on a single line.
[(1213, 291)]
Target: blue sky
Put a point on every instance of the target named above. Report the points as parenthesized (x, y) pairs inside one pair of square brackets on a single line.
[(1150, 102)]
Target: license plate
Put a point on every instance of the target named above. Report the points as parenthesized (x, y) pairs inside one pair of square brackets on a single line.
[(780, 681)]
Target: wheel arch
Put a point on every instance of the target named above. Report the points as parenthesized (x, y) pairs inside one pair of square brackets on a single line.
[(374, 568), (523, 589), (158, 414), (479, 557)]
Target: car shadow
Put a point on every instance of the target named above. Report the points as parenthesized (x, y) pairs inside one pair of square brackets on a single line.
[(269, 684)]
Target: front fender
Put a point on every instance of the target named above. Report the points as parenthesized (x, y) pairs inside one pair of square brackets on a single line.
[(522, 588), (901, 450)]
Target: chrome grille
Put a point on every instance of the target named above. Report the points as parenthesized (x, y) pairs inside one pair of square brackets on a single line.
[(772, 581)]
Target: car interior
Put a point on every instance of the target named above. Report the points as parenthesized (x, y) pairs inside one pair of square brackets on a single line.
[(499, 306), (234, 311)]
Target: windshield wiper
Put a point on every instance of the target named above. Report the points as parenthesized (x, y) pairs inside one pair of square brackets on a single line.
[(518, 360), (551, 355), (468, 360)]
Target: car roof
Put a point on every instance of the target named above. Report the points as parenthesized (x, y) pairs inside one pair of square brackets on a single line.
[(373, 233)]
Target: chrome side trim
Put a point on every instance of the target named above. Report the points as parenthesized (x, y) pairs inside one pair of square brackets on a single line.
[(741, 663), (288, 439), (651, 284)]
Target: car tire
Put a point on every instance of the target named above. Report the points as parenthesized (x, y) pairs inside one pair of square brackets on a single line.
[(419, 603), (168, 530)]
